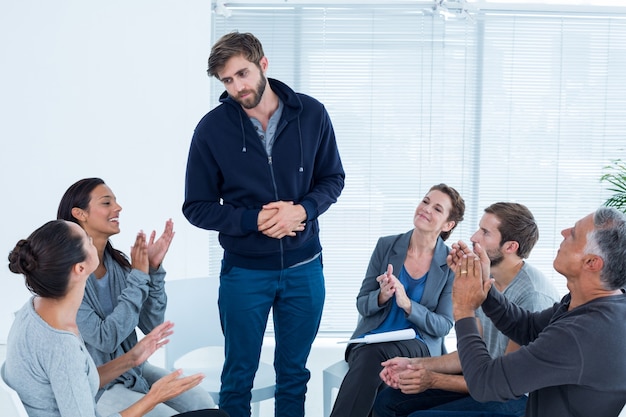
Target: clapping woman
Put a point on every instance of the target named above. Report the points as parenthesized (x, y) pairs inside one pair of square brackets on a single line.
[(408, 285), (120, 295), (46, 359)]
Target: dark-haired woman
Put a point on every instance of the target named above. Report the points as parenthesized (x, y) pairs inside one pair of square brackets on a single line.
[(408, 285), (122, 295), (46, 359)]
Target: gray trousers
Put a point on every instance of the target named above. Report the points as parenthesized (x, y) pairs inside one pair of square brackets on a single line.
[(118, 397)]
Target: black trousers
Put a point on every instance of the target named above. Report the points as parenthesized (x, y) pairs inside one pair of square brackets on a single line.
[(362, 382)]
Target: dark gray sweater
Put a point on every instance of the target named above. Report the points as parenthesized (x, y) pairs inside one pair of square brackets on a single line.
[(572, 363)]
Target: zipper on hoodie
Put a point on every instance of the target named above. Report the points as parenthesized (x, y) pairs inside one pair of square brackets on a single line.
[(269, 162)]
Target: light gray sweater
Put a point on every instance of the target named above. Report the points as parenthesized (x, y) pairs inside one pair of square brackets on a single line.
[(530, 290), (50, 369)]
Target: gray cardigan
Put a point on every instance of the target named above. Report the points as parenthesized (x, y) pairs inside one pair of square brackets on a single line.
[(141, 302), (432, 315)]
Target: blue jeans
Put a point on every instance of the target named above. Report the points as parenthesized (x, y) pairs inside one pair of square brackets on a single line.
[(432, 403), (296, 297)]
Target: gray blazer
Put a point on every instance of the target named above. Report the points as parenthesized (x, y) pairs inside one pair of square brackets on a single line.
[(432, 316)]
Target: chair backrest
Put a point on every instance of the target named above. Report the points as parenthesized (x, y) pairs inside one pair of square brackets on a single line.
[(15, 398), (192, 307)]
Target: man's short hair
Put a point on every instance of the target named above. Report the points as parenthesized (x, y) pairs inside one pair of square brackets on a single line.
[(234, 44), (516, 224)]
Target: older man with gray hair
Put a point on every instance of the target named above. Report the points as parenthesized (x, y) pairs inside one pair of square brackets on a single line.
[(571, 358)]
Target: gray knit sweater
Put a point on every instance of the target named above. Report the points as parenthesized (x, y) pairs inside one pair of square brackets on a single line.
[(140, 302), (50, 369)]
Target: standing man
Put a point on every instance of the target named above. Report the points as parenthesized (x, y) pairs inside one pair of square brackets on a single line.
[(572, 356), (507, 232), (262, 167)]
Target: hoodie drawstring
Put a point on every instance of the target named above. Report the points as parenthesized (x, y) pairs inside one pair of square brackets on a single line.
[(243, 141), (301, 169)]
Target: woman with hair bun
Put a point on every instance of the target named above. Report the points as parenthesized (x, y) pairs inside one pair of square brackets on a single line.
[(46, 359)]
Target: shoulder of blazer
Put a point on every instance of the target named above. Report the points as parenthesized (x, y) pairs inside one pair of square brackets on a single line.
[(396, 242)]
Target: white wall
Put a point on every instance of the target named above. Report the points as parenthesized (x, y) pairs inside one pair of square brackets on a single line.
[(111, 89)]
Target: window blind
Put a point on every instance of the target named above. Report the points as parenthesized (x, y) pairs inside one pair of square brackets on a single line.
[(508, 106), (553, 116)]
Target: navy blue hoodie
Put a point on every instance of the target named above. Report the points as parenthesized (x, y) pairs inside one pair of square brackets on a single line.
[(230, 177)]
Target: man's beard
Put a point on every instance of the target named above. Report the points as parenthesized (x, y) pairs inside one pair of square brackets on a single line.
[(257, 95), (495, 257)]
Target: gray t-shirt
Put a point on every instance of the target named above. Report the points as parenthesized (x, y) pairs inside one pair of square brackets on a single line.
[(531, 290), (268, 136), (50, 369)]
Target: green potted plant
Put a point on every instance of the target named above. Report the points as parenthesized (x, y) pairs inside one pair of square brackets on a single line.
[(616, 177)]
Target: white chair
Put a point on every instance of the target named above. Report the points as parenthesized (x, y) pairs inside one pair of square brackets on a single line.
[(332, 377), (197, 344), (15, 399)]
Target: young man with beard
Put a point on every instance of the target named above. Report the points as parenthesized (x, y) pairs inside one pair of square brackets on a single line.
[(262, 167), (420, 386)]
